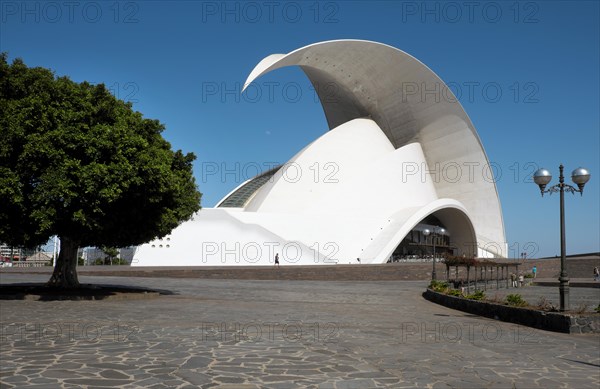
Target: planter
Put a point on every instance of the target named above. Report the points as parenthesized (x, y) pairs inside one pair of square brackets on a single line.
[(549, 321)]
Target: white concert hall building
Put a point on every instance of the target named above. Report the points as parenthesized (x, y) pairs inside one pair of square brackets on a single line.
[(406, 158)]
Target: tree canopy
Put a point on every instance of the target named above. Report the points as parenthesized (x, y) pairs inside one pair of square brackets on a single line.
[(78, 163)]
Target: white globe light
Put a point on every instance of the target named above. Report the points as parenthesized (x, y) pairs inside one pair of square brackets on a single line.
[(580, 176), (542, 177)]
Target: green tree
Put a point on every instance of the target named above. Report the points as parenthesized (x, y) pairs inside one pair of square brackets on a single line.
[(78, 163), (110, 253)]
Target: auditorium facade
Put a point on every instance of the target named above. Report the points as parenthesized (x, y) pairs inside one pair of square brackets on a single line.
[(404, 158)]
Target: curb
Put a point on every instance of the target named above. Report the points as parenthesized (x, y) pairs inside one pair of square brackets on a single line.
[(549, 321)]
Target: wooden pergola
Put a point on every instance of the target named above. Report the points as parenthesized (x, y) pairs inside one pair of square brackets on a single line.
[(484, 272)]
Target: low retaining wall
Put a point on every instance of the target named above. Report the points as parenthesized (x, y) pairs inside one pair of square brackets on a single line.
[(577, 284), (550, 321), (579, 268), (341, 272)]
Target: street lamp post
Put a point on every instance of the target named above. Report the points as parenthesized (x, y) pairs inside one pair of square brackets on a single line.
[(434, 232), (579, 176)]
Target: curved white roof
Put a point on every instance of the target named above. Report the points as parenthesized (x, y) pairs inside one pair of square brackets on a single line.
[(410, 103)]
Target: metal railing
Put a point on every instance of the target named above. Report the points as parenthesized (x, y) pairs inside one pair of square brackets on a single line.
[(30, 263)]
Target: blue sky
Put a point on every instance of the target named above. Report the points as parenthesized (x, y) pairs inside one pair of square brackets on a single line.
[(527, 73)]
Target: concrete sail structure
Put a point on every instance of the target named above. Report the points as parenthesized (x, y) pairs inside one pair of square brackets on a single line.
[(402, 155)]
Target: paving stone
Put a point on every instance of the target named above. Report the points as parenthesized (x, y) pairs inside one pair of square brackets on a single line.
[(276, 378), (116, 366), (355, 384), (373, 347), (229, 379), (114, 374), (196, 362), (162, 370), (193, 377), (96, 382), (344, 368)]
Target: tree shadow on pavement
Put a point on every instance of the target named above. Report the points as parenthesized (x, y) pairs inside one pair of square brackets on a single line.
[(41, 292)]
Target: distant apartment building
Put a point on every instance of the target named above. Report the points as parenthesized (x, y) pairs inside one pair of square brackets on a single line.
[(15, 253)]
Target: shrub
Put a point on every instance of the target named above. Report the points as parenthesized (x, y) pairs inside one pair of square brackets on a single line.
[(597, 309), (528, 275), (581, 308), (115, 261), (515, 300), (454, 292), (478, 295), (438, 286), (546, 305)]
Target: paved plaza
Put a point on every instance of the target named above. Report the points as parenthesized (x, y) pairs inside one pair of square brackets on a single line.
[(278, 334)]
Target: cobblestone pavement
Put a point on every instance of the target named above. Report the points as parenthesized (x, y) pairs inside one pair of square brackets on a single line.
[(279, 334)]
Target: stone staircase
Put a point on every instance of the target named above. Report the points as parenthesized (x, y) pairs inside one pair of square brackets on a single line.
[(580, 268)]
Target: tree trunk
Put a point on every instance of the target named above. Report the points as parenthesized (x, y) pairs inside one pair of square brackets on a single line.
[(468, 285), (65, 270)]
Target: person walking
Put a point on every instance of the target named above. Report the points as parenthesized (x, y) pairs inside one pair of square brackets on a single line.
[(277, 260), (521, 280), (596, 274), (534, 271)]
